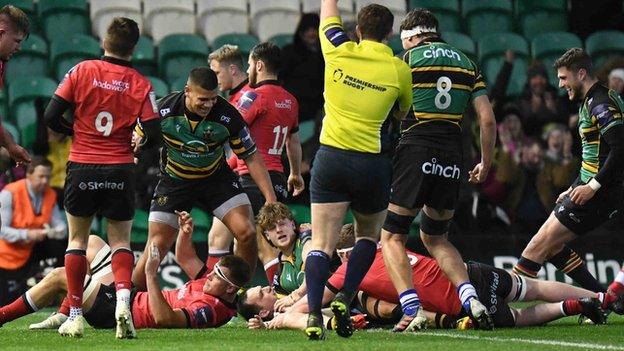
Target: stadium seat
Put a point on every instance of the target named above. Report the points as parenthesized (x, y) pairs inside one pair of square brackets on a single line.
[(394, 42), (12, 129), (218, 17), (462, 42), (306, 130), (144, 58), (23, 91), (179, 53), (526, 6), (61, 19), (32, 59), (160, 87), (344, 6), (66, 53), (178, 84), (492, 49), (446, 11), (282, 40), (547, 47), (4, 105), (487, 16), (245, 42), (202, 222), (396, 6), (103, 11), (140, 226), (537, 22), (301, 213), (166, 17), (603, 44), (271, 17)]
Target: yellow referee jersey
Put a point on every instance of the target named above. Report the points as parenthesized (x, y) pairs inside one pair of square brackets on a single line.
[(362, 83)]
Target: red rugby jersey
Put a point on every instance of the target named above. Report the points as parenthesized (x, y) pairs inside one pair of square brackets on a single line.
[(271, 113), (436, 292), (202, 310), (237, 92), (108, 96)]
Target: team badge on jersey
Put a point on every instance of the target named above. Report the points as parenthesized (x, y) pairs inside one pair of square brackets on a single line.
[(162, 200)]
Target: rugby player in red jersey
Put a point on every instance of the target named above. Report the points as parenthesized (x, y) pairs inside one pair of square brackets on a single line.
[(495, 287), (203, 303), (107, 96), (14, 28), (272, 115)]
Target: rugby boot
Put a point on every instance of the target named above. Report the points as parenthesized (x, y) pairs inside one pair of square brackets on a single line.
[(411, 323), (73, 327), (340, 308), (125, 326), (315, 329), (52, 322), (479, 315), (592, 310)]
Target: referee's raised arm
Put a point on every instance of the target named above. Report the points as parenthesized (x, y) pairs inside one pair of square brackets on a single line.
[(329, 8)]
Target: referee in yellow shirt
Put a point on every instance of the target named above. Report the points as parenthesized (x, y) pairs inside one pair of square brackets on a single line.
[(363, 81)]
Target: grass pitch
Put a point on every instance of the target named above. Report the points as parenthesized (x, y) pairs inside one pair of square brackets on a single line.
[(561, 335)]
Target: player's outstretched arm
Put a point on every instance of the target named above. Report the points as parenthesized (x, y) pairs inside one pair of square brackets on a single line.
[(184, 249), (293, 151), (487, 127), (163, 314), (329, 8), (260, 175)]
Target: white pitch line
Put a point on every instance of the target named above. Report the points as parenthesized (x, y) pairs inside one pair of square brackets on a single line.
[(526, 341)]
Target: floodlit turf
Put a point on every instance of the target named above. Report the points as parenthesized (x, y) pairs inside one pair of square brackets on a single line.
[(562, 335)]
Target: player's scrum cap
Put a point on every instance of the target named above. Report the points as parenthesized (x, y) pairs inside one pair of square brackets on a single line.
[(418, 30)]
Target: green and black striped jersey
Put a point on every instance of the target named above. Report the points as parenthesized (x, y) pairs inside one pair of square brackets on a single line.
[(194, 146), (444, 82), (600, 112)]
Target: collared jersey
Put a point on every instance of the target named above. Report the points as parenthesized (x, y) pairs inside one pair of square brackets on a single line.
[(108, 97), (435, 291), (272, 114), (291, 272), (362, 83), (444, 81), (237, 92), (194, 149), (201, 310), (600, 111)]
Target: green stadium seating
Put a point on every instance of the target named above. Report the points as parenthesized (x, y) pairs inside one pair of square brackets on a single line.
[(446, 11), (394, 42), (23, 91), (202, 222), (492, 49), (538, 22), (179, 53), (547, 47), (484, 17), (32, 59), (160, 88), (179, 84), (301, 213), (61, 19), (525, 6), (281, 40), (603, 44), (306, 131), (144, 59), (4, 105), (245, 42), (66, 53), (12, 129), (140, 226), (462, 42)]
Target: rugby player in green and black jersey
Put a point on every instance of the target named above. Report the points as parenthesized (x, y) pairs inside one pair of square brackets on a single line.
[(195, 124), (428, 162), (597, 193)]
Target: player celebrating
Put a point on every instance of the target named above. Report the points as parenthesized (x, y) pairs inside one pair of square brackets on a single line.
[(596, 194), (14, 28), (362, 83), (272, 116), (107, 96), (195, 124), (428, 161)]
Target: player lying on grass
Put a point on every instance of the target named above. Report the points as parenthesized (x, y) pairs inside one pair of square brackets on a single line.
[(201, 303), (495, 287)]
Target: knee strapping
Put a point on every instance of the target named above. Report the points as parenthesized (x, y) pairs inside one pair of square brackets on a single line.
[(397, 224)]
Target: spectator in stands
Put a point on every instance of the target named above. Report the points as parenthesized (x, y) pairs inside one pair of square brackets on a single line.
[(303, 69), (533, 183), (616, 80), (32, 229), (539, 103), (559, 145)]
